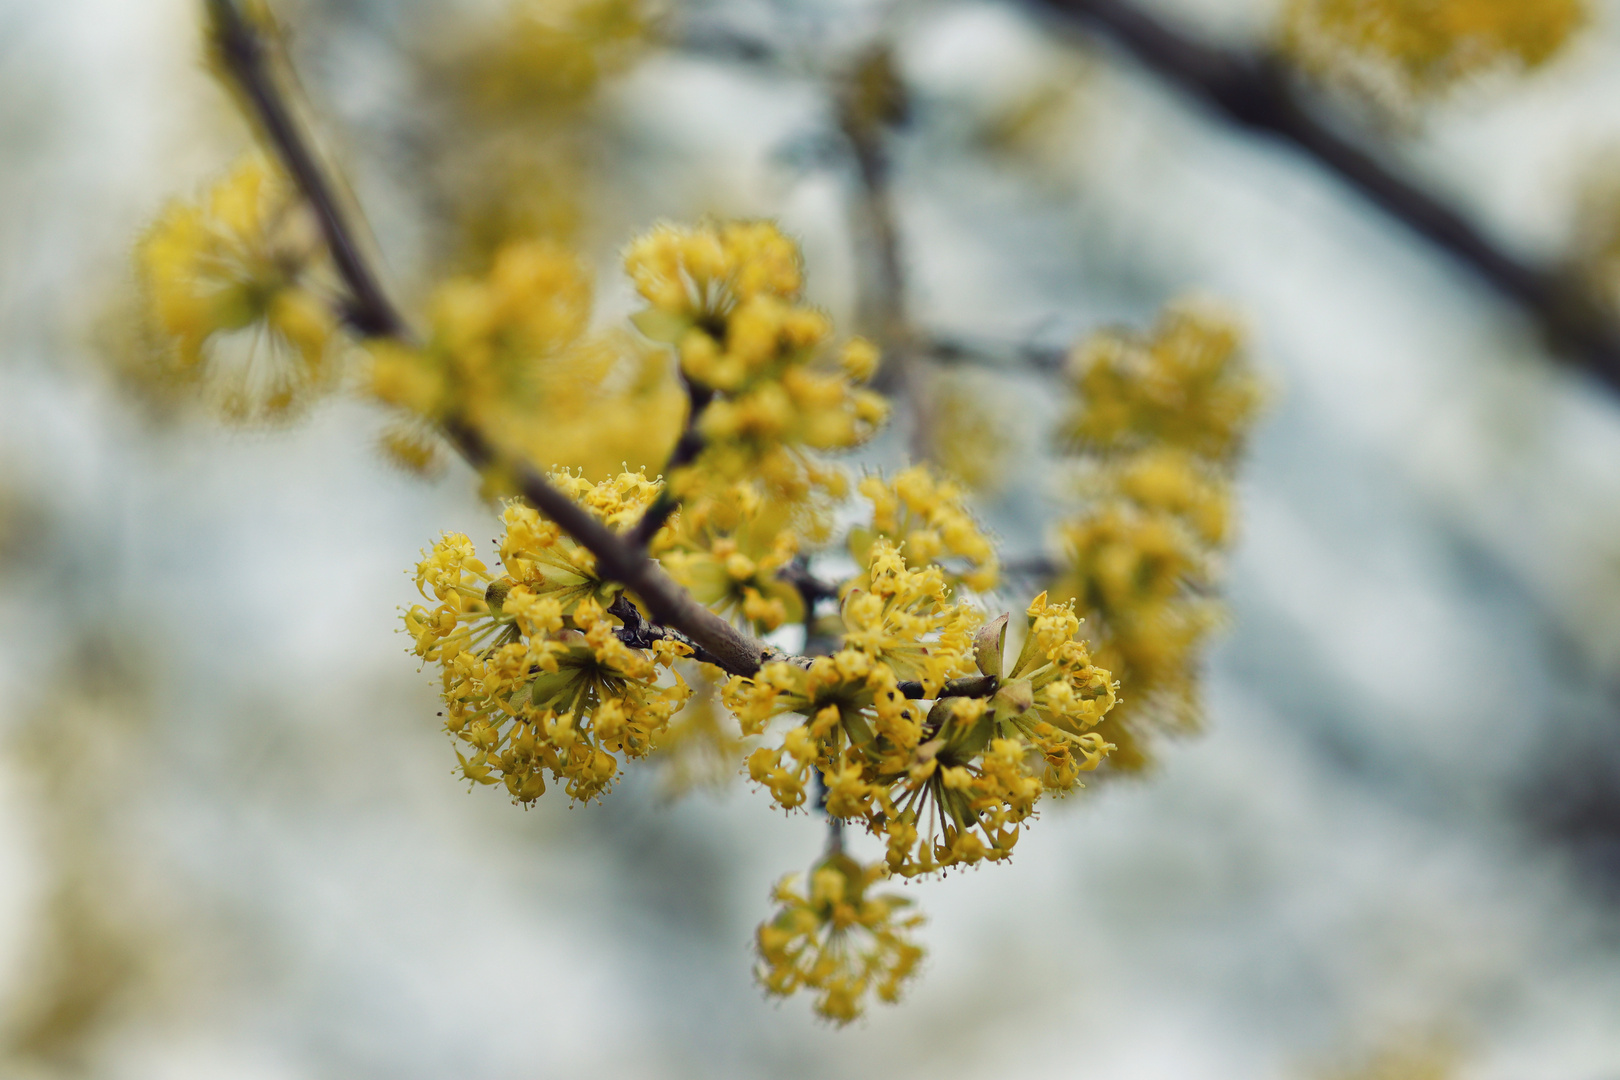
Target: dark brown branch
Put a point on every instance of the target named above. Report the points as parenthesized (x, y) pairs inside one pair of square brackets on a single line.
[(1038, 567), (638, 633), (616, 560), (242, 51), (686, 450), (975, 686), (1254, 91), (811, 589)]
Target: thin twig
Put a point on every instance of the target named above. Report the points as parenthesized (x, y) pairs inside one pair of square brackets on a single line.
[(811, 589), (963, 352), (243, 51), (973, 686), (686, 450), (1255, 91), (370, 311)]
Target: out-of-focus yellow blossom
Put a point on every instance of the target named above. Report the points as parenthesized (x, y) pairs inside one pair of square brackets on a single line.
[(726, 546), (1413, 49), (235, 291), (1192, 490), (929, 516), (413, 447), (536, 679), (1410, 1059), (726, 298), (509, 353), (1185, 386), (966, 429), (1142, 577), (516, 128), (837, 940), (542, 56), (1162, 421), (702, 747)]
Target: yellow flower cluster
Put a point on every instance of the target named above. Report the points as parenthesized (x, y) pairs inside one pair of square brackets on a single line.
[(945, 785), (545, 55), (968, 429), (929, 516), (726, 546), (1163, 420), (727, 298), (838, 940), (1182, 386), (536, 679), (901, 627), (236, 295), (1409, 49), (983, 763), (509, 353)]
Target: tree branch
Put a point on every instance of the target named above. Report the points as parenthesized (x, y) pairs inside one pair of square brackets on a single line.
[(1255, 91), (974, 686), (242, 51), (685, 451)]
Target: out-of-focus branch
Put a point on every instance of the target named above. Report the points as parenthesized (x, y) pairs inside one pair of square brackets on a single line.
[(871, 101), (812, 590), (243, 53), (964, 352), (1255, 91), (243, 50)]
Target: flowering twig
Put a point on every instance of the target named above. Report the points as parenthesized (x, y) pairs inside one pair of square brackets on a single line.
[(1254, 90), (243, 53)]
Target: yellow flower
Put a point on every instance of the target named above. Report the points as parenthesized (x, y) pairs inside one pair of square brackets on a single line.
[(511, 354), (837, 940), (725, 297), (1186, 386), (901, 627), (1420, 48), (237, 294), (928, 515), (1162, 420), (726, 546), (546, 55), (944, 785), (983, 763), (546, 561), (536, 679), (904, 618)]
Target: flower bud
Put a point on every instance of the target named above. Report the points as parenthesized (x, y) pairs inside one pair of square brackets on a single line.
[(989, 643)]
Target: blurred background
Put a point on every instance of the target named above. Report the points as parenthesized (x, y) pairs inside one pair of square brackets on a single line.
[(230, 841)]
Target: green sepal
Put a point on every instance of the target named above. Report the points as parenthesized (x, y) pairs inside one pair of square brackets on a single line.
[(664, 327)]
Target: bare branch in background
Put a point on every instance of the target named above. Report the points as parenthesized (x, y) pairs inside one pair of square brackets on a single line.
[(1255, 90)]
